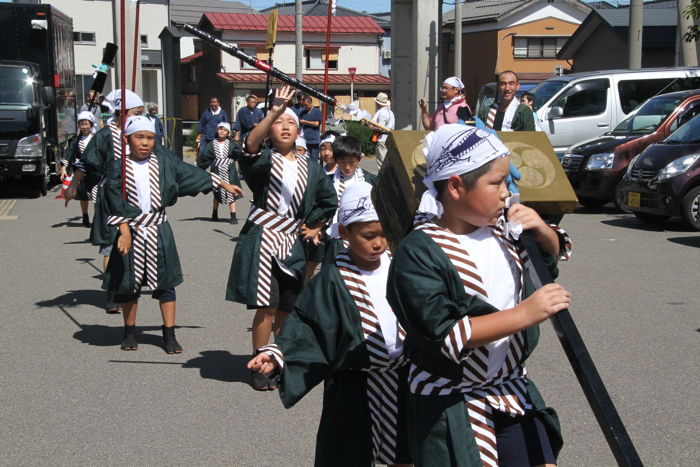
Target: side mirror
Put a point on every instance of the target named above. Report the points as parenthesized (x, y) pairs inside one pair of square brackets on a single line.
[(49, 95), (555, 112)]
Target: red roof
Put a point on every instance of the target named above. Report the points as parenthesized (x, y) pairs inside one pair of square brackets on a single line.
[(285, 23), (309, 79), (191, 58)]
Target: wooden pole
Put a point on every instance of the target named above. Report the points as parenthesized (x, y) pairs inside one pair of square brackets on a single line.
[(325, 73), (136, 45), (122, 65)]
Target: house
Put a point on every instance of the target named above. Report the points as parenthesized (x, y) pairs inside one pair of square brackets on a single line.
[(354, 44), (519, 35), (600, 42), (320, 8)]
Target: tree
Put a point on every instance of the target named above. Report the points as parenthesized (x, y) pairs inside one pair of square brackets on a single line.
[(692, 13)]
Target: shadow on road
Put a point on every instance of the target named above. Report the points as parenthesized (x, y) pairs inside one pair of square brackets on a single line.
[(221, 365), (203, 219), (233, 239), (608, 209), (108, 336), (74, 298), (80, 242), (631, 222), (687, 241), (72, 222)]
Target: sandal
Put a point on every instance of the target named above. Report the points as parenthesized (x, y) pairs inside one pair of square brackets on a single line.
[(259, 381)]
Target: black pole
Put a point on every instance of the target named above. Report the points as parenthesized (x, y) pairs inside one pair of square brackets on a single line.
[(584, 368), (260, 65)]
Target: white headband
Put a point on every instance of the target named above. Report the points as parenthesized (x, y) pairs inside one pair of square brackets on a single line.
[(356, 205), (86, 115), (289, 111), (300, 142), (225, 125), (139, 123), (455, 149), (132, 99), (454, 82), (327, 139)]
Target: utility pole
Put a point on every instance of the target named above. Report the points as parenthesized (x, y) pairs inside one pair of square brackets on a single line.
[(634, 41), (688, 51), (458, 39), (298, 42)]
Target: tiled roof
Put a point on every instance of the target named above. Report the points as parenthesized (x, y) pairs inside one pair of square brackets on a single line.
[(191, 58), (190, 11), (320, 8), (482, 10), (258, 22), (310, 79), (652, 16)]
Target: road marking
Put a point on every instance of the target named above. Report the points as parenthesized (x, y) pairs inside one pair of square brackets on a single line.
[(6, 206)]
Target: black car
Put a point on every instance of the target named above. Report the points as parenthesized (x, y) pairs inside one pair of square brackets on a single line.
[(664, 180)]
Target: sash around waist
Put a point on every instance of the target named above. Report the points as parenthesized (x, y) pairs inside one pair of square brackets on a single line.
[(148, 219), (272, 221)]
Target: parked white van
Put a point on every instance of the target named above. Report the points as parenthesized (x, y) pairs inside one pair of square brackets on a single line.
[(579, 106)]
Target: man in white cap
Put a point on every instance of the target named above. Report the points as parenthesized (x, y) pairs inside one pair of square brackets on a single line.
[(446, 112), (385, 117), (506, 113)]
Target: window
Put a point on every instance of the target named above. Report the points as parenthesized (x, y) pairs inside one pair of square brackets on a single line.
[(315, 59), (585, 98), (634, 92), (692, 110), (87, 38), (261, 53), (144, 41), (537, 47)]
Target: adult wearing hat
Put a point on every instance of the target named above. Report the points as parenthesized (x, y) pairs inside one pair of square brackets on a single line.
[(452, 100), (385, 117)]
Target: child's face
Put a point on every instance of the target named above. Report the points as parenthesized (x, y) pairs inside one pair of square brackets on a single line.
[(326, 153), (221, 133), (141, 144), (134, 112), (483, 204), (367, 243), (347, 165), (85, 127), (284, 131), (301, 150)]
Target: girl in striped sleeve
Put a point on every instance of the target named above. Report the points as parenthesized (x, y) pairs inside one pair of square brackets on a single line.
[(292, 201), (342, 332), (145, 252), (75, 167), (458, 287)]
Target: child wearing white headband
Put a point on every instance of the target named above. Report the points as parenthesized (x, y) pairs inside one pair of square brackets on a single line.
[(458, 286), (73, 166), (292, 200), (343, 333)]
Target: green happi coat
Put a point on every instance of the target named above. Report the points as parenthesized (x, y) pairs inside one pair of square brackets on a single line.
[(73, 152), (318, 203), (206, 160), (523, 119), (177, 178), (428, 297), (322, 341)]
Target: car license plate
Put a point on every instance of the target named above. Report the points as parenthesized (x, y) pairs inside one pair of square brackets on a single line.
[(634, 199)]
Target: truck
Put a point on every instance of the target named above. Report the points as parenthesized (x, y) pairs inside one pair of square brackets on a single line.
[(38, 93)]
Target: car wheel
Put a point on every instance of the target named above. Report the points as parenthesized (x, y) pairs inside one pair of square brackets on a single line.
[(620, 197), (591, 203), (690, 208), (653, 219), (41, 185)]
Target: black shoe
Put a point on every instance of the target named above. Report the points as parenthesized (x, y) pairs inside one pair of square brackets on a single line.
[(233, 218), (170, 344), (259, 381), (129, 341), (215, 216), (111, 307), (86, 221)]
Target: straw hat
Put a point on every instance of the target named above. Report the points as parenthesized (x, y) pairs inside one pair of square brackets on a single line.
[(382, 99)]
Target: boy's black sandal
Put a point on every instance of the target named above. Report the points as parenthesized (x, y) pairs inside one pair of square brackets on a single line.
[(129, 341), (259, 381), (170, 343)]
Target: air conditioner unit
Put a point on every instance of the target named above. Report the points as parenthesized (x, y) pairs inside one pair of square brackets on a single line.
[(386, 54)]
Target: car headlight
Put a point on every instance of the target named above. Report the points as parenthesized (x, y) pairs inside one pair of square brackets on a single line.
[(31, 146), (677, 167), (601, 161)]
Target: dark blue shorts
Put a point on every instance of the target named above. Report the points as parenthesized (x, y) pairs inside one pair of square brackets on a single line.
[(165, 295), (522, 441)]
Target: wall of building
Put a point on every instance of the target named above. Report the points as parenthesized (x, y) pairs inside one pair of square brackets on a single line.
[(547, 27), (479, 54), (603, 50)]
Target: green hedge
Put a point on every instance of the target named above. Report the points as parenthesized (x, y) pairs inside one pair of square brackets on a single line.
[(190, 139), (362, 133)]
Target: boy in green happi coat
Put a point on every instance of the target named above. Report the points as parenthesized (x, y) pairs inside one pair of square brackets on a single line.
[(145, 252), (342, 332), (459, 287), (292, 201)]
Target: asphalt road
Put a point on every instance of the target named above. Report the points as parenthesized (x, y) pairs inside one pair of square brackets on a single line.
[(68, 395)]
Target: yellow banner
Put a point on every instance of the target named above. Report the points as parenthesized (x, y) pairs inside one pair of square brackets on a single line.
[(271, 29)]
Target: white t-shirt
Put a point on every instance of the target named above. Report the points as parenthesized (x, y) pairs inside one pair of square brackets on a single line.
[(143, 185), (290, 170), (376, 286), (384, 116), (501, 282)]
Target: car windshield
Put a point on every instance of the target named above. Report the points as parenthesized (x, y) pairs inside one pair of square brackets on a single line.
[(688, 133), (17, 86), (545, 90), (648, 116)]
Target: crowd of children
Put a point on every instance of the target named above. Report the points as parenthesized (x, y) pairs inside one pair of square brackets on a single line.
[(422, 354)]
